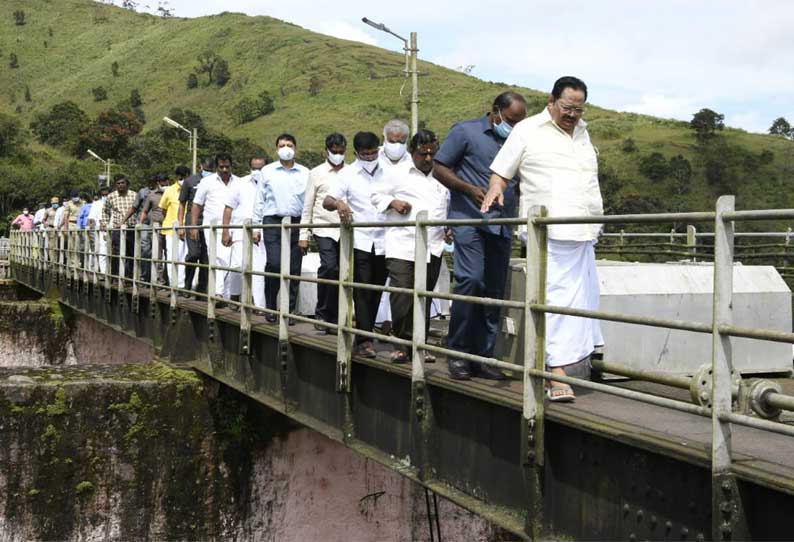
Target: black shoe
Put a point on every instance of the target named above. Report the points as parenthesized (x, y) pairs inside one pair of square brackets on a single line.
[(186, 295), (489, 373), (459, 369), (270, 318)]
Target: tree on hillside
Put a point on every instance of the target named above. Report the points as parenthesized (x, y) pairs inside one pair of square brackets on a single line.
[(681, 174), (60, 126), (12, 135), (654, 166), (315, 85), (109, 133), (19, 17), (28, 97), (114, 69), (129, 4), (100, 94), (249, 109), (192, 81), (135, 98), (13, 61), (207, 64), (222, 72), (781, 127), (164, 10), (705, 123), (629, 145)]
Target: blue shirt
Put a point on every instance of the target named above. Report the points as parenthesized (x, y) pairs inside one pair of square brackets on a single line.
[(279, 190), (82, 217), (468, 150)]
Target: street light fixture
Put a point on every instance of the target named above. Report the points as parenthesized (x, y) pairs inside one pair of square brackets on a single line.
[(193, 139), (410, 68), (106, 162)]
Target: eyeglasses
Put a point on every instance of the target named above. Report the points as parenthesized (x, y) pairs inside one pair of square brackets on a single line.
[(570, 109)]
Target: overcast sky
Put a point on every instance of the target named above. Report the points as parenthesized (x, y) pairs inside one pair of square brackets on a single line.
[(668, 58)]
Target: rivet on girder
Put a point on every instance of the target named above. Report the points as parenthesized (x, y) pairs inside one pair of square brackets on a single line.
[(726, 487), (653, 521), (639, 515), (684, 532), (726, 529), (668, 525), (626, 509), (632, 537), (700, 537)]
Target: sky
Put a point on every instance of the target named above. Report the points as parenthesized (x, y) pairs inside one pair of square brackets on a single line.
[(668, 58)]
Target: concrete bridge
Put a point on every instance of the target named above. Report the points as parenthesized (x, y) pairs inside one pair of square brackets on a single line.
[(636, 460)]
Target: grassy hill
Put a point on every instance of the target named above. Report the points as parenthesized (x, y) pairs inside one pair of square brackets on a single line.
[(321, 84)]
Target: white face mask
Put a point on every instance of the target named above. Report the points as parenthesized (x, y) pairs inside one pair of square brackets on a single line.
[(335, 159), (394, 151), (286, 153), (369, 165)]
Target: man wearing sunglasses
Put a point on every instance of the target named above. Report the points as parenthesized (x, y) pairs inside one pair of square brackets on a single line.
[(558, 167)]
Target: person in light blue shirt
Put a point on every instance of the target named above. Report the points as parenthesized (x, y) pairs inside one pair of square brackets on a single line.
[(82, 217), (280, 189)]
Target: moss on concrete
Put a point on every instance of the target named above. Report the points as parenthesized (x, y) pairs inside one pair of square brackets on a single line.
[(149, 442)]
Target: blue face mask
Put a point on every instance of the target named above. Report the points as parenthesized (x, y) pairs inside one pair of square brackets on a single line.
[(205, 173), (54, 205), (502, 129)]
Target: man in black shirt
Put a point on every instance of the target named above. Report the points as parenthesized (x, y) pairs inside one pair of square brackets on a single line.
[(196, 249)]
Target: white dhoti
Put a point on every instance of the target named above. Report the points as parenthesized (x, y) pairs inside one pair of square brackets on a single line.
[(572, 281), (258, 261), (179, 259), (222, 259)]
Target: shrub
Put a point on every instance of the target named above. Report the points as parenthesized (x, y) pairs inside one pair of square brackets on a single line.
[(19, 17), (192, 81), (100, 94)]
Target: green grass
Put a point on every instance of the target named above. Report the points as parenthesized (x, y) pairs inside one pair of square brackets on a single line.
[(360, 86)]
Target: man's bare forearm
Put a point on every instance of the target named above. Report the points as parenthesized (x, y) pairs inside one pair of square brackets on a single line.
[(448, 178)]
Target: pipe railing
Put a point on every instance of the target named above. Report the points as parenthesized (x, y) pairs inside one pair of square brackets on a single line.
[(61, 253)]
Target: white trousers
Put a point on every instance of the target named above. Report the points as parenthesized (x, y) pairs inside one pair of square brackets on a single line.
[(179, 258), (222, 258), (258, 261), (572, 281)]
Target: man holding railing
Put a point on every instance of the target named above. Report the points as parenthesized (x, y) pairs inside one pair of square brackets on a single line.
[(239, 208), (114, 212), (196, 248), (558, 167), (405, 191), (208, 205), (351, 196), (482, 252)]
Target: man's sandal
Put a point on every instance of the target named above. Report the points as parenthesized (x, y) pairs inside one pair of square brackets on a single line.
[(560, 393), (398, 356)]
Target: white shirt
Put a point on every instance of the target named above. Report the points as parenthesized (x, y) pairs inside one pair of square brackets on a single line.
[(406, 183), (556, 170), (38, 218), (387, 165), (212, 194), (354, 185), (95, 213), (320, 179), (59, 216), (240, 199)]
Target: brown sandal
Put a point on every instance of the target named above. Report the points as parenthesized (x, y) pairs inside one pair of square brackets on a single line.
[(398, 356)]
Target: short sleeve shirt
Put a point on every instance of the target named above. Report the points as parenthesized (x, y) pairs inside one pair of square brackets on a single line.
[(188, 192), (468, 150)]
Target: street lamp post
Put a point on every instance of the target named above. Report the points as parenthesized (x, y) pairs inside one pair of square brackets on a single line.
[(107, 165), (193, 140), (410, 68)]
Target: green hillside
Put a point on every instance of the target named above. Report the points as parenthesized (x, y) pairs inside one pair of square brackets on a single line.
[(66, 48)]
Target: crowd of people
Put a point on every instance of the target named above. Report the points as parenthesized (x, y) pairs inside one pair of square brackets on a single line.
[(477, 173)]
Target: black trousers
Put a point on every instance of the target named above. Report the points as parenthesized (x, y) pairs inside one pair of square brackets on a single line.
[(401, 275), (196, 253), (369, 269), (272, 239), (327, 296), (129, 252)]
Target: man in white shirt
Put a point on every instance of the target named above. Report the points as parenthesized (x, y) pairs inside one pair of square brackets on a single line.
[(210, 199), (408, 189), (558, 168), (327, 239), (99, 245), (351, 196), (391, 154), (280, 193), (240, 207)]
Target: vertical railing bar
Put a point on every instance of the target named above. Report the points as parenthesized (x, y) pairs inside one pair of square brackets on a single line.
[(284, 283), (535, 357), (136, 266), (122, 260), (173, 259), (421, 404), (212, 253), (154, 267), (344, 339), (691, 241), (246, 293)]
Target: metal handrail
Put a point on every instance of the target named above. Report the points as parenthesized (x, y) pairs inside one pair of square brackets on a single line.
[(67, 262)]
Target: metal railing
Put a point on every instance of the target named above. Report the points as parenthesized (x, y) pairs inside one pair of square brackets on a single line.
[(64, 254)]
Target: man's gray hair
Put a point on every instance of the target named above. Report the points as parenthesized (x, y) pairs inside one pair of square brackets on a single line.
[(397, 126)]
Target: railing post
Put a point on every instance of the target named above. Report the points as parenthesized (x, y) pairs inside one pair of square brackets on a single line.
[(174, 268), (246, 295), (672, 236), (727, 513), (108, 241), (691, 241), (344, 339), (212, 254), (60, 254), (533, 430), (422, 417), (122, 263), (283, 290), (86, 256), (136, 267), (154, 265)]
